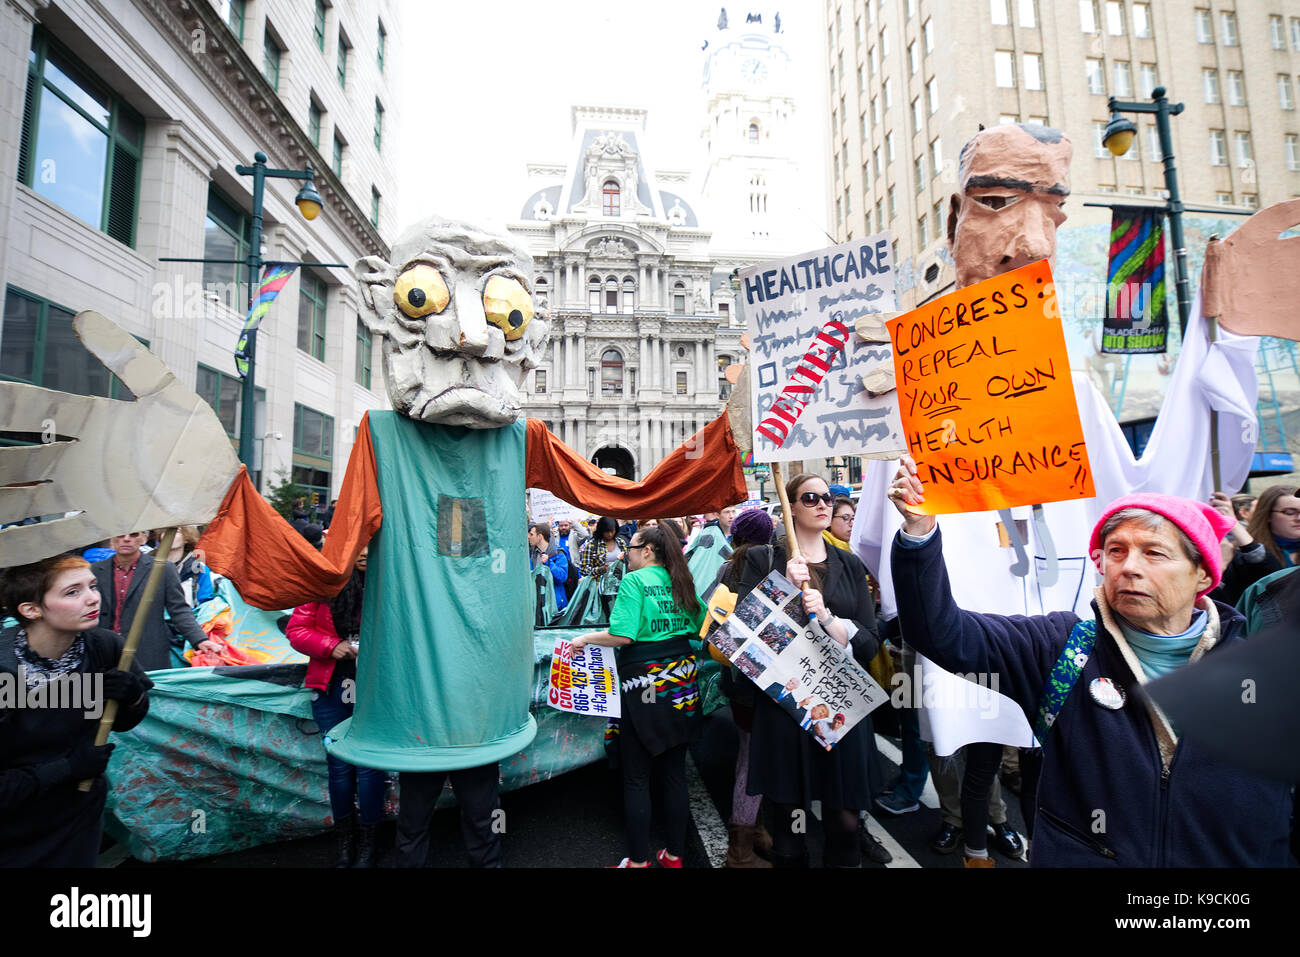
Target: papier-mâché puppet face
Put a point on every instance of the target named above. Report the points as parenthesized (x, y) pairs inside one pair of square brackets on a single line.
[(1014, 181), (455, 309)]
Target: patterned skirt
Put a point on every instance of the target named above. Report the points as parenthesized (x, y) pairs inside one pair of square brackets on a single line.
[(659, 696)]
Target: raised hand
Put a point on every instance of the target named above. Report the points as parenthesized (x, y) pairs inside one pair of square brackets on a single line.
[(906, 489), (161, 460)]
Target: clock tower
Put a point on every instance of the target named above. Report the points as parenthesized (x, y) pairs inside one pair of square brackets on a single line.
[(751, 178)]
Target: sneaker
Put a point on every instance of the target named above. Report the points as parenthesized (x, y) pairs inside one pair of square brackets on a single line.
[(627, 862), (872, 849), (666, 861), (1007, 840), (947, 839), (894, 803)]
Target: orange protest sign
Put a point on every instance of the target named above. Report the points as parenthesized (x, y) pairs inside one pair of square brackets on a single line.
[(986, 398)]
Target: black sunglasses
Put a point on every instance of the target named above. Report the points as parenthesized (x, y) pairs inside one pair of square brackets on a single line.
[(811, 498)]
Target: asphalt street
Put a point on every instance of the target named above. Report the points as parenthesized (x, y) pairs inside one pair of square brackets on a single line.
[(575, 820)]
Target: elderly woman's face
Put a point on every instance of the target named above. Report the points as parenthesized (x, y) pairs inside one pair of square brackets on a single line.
[(1148, 578)]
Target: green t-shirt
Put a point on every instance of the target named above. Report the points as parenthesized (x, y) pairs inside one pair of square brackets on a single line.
[(644, 610)]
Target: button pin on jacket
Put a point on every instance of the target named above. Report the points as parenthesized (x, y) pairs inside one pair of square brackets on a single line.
[(1106, 693)]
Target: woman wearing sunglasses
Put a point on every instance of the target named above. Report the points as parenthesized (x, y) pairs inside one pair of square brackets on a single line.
[(653, 618), (787, 765)]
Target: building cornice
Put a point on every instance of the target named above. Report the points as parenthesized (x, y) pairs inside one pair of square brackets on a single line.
[(239, 82)]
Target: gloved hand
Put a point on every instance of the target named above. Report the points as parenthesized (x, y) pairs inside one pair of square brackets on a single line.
[(124, 686), (87, 760)]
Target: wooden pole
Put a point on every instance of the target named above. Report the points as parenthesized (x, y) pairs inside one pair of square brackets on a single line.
[(792, 543), (133, 638)]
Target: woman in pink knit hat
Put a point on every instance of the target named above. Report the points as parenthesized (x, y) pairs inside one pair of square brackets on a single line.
[(1118, 786)]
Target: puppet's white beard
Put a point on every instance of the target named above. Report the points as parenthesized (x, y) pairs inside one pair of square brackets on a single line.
[(457, 390)]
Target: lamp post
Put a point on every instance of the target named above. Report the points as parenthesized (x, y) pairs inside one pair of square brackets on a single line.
[(1117, 138), (309, 204)]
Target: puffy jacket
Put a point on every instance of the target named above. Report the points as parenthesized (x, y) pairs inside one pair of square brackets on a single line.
[(1105, 796), (311, 631)]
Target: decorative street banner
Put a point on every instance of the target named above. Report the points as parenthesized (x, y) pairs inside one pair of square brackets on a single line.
[(1136, 317), (274, 278), (809, 401), (986, 397), (807, 673), (545, 507), (584, 681)]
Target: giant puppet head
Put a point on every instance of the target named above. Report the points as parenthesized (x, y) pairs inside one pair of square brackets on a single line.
[(455, 308), (1014, 181)]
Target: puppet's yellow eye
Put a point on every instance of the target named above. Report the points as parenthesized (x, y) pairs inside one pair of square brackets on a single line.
[(507, 305), (421, 291)]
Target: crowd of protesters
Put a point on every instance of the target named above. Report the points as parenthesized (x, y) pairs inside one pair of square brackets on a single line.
[(1172, 572)]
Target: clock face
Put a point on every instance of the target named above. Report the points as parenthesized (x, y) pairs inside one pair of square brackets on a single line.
[(753, 71)]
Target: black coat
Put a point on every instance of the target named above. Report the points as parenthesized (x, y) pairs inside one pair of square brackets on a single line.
[(786, 764), (44, 820), (156, 641)]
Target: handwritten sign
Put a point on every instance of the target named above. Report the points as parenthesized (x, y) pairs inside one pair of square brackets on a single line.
[(808, 674), (807, 360), (986, 397), (545, 507), (584, 681)]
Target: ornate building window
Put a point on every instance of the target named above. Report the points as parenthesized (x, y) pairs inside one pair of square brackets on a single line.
[(611, 373), (629, 296), (610, 198), (753, 132), (679, 298), (593, 294), (611, 295)]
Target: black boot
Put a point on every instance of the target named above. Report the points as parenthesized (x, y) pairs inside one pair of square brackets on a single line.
[(346, 835), (790, 861), (366, 846)]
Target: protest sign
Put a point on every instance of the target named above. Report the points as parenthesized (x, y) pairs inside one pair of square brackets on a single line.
[(584, 681), (986, 397), (545, 507), (806, 380), (794, 662)]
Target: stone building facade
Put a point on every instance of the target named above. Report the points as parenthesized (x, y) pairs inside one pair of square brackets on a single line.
[(123, 124)]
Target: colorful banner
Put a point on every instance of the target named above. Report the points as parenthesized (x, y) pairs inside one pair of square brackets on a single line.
[(810, 676), (584, 681), (274, 278), (807, 359), (1136, 318), (986, 396)]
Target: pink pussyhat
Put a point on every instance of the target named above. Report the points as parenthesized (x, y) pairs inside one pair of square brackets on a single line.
[(1202, 523)]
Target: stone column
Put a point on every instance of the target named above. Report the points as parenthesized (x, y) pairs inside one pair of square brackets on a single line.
[(581, 446)]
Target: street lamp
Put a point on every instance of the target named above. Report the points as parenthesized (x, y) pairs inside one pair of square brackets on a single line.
[(1117, 138), (309, 205)]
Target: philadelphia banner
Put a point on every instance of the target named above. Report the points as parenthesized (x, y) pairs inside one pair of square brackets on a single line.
[(274, 278), (1137, 320)]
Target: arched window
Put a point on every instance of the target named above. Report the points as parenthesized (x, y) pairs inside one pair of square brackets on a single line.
[(611, 294), (610, 198), (629, 295), (611, 373), (753, 132), (593, 294), (679, 298)]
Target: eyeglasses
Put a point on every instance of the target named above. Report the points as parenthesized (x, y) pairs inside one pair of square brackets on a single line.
[(1288, 512), (812, 498), (846, 517), (639, 546)]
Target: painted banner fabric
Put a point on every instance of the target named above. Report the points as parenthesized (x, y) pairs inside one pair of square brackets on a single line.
[(546, 507), (274, 278), (808, 362), (986, 398), (773, 642), (1137, 319), (584, 681)]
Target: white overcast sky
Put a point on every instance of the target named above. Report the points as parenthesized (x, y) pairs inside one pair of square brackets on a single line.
[(488, 87)]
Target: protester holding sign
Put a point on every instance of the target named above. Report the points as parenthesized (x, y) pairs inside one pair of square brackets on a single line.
[(652, 621), (789, 766), (1118, 787)]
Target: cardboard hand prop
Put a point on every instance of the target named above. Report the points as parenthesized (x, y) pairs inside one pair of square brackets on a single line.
[(1252, 279), (160, 460)]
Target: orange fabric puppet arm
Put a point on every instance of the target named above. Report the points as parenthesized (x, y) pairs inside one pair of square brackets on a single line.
[(271, 564), (703, 474)]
